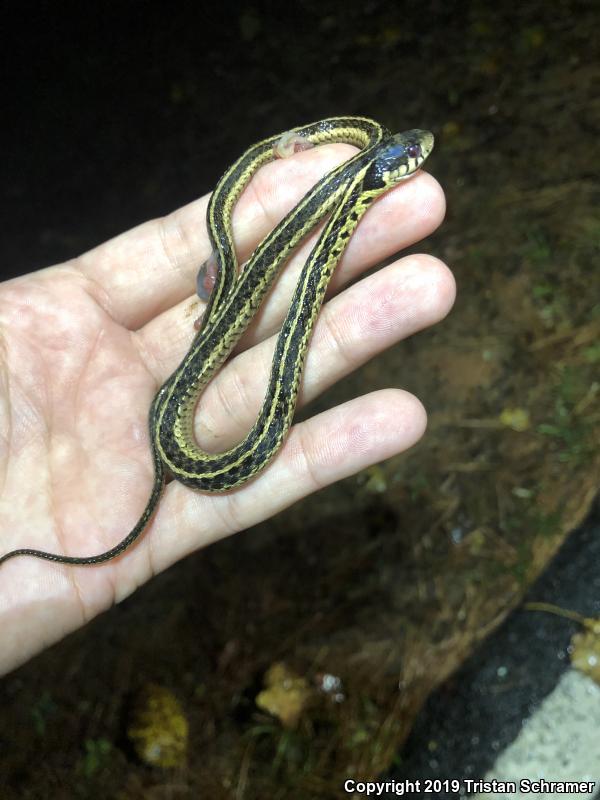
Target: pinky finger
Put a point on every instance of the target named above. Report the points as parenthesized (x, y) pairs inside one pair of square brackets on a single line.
[(345, 440), (326, 448)]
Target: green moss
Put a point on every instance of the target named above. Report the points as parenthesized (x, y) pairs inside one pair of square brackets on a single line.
[(42, 711), (97, 755)]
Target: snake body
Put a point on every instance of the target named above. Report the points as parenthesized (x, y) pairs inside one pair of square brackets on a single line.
[(342, 196)]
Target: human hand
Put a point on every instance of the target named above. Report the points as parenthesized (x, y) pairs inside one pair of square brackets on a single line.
[(85, 345)]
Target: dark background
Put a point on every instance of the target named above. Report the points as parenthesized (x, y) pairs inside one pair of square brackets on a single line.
[(126, 111)]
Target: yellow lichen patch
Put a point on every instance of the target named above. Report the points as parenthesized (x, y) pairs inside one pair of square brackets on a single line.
[(515, 418), (585, 650), (374, 479), (159, 728), (285, 695), (451, 129)]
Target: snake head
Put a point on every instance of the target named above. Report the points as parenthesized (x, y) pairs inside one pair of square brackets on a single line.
[(397, 158)]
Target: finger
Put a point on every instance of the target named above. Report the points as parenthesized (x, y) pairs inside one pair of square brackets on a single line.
[(152, 267), (398, 219), (318, 452), (370, 316)]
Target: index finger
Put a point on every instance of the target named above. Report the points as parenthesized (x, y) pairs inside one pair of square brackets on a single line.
[(152, 267)]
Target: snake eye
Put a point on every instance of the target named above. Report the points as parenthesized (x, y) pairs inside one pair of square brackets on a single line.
[(414, 150)]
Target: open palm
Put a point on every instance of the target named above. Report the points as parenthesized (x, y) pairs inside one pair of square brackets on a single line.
[(85, 345)]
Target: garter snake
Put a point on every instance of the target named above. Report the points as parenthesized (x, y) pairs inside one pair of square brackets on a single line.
[(342, 197)]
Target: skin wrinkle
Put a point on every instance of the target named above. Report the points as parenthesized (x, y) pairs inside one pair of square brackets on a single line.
[(230, 515), (89, 365), (332, 336), (386, 308), (139, 452), (11, 448), (365, 435), (100, 262), (381, 314), (127, 581), (256, 199), (52, 484), (307, 464), (27, 337), (379, 427), (176, 264), (354, 435), (95, 291), (357, 439), (164, 238), (181, 255), (13, 401), (59, 534), (423, 281), (145, 354), (359, 320), (172, 341), (84, 368), (77, 589), (330, 445)]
